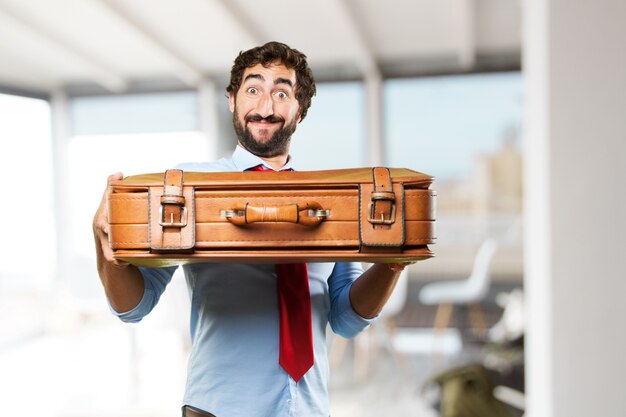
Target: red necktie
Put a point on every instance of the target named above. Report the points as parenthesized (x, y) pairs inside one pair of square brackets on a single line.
[(294, 306)]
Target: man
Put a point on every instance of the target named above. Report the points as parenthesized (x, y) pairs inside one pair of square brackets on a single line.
[(234, 367)]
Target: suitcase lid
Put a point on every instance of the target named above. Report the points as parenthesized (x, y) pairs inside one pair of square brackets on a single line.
[(251, 179)]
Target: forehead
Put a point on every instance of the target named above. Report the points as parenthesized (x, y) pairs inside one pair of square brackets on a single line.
[(270, 73)]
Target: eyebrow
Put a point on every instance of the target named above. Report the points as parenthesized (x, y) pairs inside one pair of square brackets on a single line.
[(283, 81), (279, 80)]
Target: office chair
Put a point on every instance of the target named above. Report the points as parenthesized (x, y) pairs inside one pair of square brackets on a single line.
[(469, 292)]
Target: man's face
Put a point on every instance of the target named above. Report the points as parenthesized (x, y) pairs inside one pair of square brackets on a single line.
[(265, 109)]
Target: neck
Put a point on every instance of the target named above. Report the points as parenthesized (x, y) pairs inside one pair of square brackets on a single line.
[(276, 162)]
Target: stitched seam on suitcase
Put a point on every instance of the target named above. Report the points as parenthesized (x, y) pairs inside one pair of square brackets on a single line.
[(273, 240), (134, 242), (303, 240), (276, 195)]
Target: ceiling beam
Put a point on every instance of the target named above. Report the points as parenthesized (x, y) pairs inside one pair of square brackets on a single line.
[(17, 91), (365, 57), (22, 70), (183, 69), (241, 19), (100, 72)]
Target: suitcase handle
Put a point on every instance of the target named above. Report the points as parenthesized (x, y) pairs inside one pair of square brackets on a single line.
[(245, 213)]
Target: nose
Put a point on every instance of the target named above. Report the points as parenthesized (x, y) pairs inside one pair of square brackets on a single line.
[(265, 105)]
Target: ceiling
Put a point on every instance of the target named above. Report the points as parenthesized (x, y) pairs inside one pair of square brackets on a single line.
[(114, 46)]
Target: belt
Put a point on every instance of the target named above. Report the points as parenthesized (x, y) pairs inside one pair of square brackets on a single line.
[(190, 412)]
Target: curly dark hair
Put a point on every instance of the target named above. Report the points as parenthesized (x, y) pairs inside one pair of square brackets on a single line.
[(276, 52)]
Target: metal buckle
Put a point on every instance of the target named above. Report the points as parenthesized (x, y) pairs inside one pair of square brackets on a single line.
[(172, 223), (382, 220)]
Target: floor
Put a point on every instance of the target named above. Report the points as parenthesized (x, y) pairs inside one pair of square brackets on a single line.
[(393, 382), (398, 382), (91, 372), (91, 365)]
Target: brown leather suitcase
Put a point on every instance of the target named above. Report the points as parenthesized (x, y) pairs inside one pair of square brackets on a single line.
[(362, 214)]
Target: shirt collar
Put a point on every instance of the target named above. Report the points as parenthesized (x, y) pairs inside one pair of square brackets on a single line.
[(244, 160)]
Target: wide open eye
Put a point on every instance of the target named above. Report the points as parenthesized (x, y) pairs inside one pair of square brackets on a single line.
[(252, 90), (281, 95)]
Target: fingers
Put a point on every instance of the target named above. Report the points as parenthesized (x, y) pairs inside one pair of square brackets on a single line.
[(115, 177), (101, 219), (107, 252), (102, 239), (399, 266), (101, 224)]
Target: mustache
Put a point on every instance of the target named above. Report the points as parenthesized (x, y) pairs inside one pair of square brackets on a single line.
[(258, 118)]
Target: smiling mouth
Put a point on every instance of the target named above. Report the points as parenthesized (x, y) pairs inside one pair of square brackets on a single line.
[(261, 122), (264, 120)]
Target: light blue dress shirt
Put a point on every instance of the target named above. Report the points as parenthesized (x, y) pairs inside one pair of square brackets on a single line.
[(233, 367)]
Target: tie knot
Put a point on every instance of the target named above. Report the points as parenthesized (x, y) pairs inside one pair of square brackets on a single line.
[(259, 167), (263, 168)]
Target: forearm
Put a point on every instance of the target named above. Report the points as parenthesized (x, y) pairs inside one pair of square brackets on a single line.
[(123, 284), (372, 289)]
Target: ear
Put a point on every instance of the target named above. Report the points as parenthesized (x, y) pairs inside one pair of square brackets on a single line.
[(298, 115), (231, 102)]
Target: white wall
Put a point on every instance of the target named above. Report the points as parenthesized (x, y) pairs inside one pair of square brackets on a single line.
[(575, 69)]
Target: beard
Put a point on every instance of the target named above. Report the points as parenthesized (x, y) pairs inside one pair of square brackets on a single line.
[(278, 144)]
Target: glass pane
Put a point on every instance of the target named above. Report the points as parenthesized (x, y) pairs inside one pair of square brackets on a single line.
[(135, 113), (27, 214), (466, 131), (440, 124), (333, 133)]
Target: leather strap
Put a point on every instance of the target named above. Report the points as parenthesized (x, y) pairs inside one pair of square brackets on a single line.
[(172, 214), (381, 211)]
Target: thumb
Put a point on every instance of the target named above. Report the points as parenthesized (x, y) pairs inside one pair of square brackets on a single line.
[(115, 177)]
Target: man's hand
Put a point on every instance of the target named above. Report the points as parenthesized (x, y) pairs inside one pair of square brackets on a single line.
[(101, 226), (123, 283), (399, 267)]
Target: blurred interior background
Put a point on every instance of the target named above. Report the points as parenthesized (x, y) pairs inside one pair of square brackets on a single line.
[(516, 107)]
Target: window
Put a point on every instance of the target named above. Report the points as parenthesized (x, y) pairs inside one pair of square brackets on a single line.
[(333, 133), (465, 131), (27, 243), (132, 134)]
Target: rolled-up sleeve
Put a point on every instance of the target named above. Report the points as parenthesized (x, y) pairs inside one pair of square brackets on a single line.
[(155, 280), (342, 317)]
